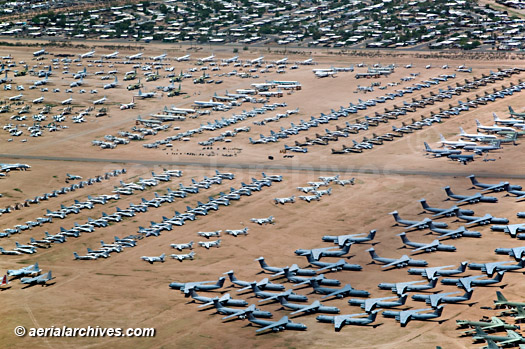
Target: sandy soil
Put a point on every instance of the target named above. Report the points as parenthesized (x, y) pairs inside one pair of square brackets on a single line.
[(124, 291)]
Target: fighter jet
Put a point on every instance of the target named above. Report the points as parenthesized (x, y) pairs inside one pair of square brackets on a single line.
[(405, 316), (86, 257), (237, 232), (261, 221), (37, 280), (152, 260), (430, 247), (208, 234), (209, 244), (180, 247), (283, 324), (471, 199), (424, 224), (371, 303), (181, 257), (401, 262)]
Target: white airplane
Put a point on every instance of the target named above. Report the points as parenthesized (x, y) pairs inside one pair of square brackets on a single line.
[(257, 60), (493, 128), (308, 61), (67, 101), (76, 83), (209, 104), (129, 105), (100, 101), (208, 234), (325, 74), (181, 257), (512, 122), (39, 53), (183, 58), (87, 54), (231, 60), (237, 232), (180, 247), (38, 100), (135, 56), (475, 136), (111, 55), (151, 260), (208, 244), (86, 257), (9, 252), (262, 221), (160, 58), (282, 61), (455, 144), (207, 59), (16, 98)]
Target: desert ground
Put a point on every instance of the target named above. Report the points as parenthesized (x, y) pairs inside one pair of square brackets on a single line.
[(125, 291)]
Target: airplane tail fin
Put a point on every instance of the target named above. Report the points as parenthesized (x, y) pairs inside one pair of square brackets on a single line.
[(427, 147), (49, 276), (496, 118), (373, 315), (473, 179), (499, 276), (439, 310), (75, 254), (448, 191), (373, 253), (478, 123), (262, 262), (404, 238), (442, 138), (372, 234), (424, 203), (220, 282)]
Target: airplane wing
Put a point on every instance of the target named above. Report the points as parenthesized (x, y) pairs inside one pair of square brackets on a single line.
[(450, 210), (424, 247), (418, 224), (468, 198), (513, 229), (404, 317), (339, 321), (479, 220), (314, 306), (396, 262), (240, 312), (342, 291), (494, 187), (281, 322)]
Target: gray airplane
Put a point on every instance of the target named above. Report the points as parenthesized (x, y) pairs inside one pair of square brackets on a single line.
[(315, 307), (471, 199), (501, 186), (430, 273), (267, 296), (342, 240), (410, 286), (371, 303), (317, 253), (240, 313), (301, 280), (469, 281), (401, 262), (491, 268), (37, 280), (264, 284), (30, 270), (437, 298), (341, 264), (345, 291), (152, 260), (495, 324), (224, 299), (511, 229), (455, 233), (486, 219), (447, 212), (440, 152), (348, 319), (279, 271), (405, 316), (430, 247), (283, 324), (424, 224), (185, 287)]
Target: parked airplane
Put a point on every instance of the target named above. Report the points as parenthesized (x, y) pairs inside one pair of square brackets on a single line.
[(209, 244), (511, 339), (86, 257), (37, 280), (283, 324), (135, 56), (152, 260), (405, 316), (471, 199), (280, 271), (431, 273), (29, 270), (87, 54), (501, 301), (100, 101), (371, 303), (183, 58), (261, 221), (182, 257), (501, 186), (456, 144), (351, 319), (424, 224), (440, 152), (111, 55), (401, 262), (495, 324)]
